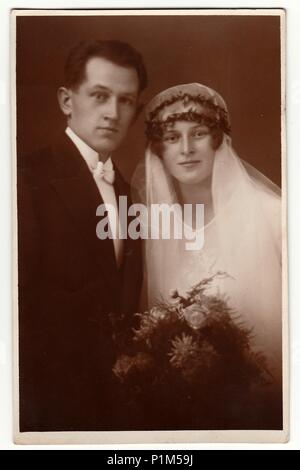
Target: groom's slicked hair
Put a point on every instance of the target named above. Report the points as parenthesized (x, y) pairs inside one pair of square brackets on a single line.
[(117, 52)]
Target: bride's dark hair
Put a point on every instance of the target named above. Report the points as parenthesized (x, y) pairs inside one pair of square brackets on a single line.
[(213, 116)]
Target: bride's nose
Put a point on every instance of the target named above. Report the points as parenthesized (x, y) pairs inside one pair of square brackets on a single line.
[(187, 146)]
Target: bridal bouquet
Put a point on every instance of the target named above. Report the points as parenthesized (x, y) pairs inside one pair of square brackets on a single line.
[(190, 359)]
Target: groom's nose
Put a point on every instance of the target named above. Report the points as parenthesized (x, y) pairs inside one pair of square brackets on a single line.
[(186, 145), (111, 108)]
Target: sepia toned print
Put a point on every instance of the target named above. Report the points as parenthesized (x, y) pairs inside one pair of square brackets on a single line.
[(150, 189)]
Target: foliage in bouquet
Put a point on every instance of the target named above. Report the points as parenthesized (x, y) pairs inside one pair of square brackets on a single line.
[(191, 348)]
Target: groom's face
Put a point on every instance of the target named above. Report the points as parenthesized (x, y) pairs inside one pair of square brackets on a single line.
[(104, 105)]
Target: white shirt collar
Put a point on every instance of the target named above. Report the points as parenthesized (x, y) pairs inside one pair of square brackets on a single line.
[(90, 155)]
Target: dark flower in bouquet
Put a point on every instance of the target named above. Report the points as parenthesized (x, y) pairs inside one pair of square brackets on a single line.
[(189, 362)]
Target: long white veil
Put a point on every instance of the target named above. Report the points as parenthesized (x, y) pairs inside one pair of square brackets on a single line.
[(245, 234)]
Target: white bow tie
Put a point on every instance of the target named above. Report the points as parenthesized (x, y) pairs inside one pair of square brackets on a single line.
[(107, 174)]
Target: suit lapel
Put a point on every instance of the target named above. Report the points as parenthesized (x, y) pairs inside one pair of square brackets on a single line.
[(131, 269), (122, 189), (78, 191)]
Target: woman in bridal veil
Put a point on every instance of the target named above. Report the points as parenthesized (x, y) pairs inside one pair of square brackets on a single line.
[(190, 160)]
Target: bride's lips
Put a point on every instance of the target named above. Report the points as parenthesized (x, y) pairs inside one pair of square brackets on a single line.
[(189, 163)]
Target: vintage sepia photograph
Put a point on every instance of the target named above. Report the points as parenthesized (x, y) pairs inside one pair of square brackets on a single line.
[(150, 224)]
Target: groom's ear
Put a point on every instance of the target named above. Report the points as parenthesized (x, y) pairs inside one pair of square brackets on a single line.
[(64, 96)]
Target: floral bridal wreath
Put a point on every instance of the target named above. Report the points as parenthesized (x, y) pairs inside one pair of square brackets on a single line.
[(189, 362)]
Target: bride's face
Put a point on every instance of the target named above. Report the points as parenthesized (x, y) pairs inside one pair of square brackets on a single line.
[(188, 153)]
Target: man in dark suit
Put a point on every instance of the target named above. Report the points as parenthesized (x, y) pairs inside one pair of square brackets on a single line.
[(71, 283)]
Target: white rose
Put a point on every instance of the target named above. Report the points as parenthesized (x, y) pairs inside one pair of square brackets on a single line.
[(195, 315)]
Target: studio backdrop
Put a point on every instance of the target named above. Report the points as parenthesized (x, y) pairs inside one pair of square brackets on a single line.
[(239, 56)]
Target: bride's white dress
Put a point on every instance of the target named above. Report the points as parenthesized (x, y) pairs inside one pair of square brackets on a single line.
[(243, 240)]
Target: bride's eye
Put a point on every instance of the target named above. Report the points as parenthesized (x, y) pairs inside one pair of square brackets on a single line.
[(170, 137), (200, 133)]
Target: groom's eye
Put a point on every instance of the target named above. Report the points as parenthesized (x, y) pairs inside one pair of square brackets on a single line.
[(101, 97), (128, 101)]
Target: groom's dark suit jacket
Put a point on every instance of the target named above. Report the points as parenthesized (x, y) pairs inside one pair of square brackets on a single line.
[(69, 284)]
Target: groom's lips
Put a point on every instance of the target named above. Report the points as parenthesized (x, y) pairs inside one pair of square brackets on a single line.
[(108, 129)]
